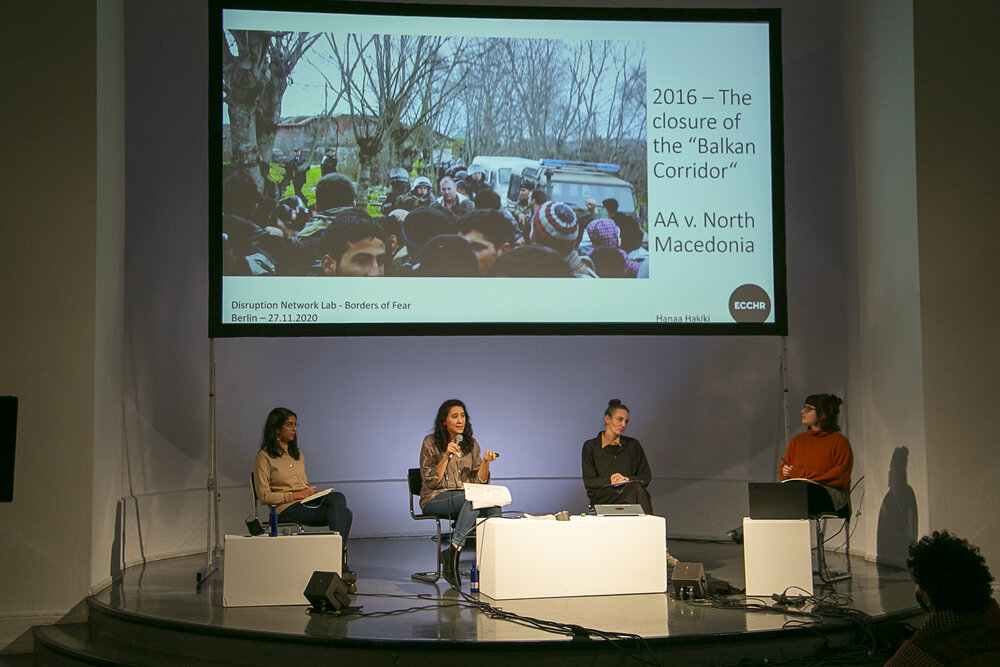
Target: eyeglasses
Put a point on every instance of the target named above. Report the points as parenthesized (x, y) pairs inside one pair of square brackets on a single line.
[(807, 408), (291, 425)]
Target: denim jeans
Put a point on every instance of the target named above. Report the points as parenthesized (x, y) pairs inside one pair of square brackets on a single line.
[(453, 505), (332, 511)]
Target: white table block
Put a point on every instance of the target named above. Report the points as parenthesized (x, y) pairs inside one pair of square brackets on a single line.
[(266, 570), (777, 556), (587, 555)]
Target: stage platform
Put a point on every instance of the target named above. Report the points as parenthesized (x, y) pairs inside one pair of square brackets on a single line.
[(158, 615)]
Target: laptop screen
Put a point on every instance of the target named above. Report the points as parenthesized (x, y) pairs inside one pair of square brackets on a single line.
[(774, 500)]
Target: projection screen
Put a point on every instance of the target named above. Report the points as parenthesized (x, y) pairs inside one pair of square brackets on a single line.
[(650, 140)]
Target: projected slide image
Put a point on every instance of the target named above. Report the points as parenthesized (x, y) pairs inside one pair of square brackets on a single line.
[(553, 114), (531, 170)]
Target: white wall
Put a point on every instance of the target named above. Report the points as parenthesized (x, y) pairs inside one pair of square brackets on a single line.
[(958, 149), (886, 369), (166, 433), (48, 329), (109, 306)]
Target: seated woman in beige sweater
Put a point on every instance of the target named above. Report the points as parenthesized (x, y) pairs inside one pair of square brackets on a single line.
[(280, 480)]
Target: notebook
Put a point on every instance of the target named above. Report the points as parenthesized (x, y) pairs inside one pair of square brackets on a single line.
[(775, 500), (307, 501)]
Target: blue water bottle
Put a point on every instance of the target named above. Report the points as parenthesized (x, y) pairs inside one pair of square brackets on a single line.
[(272, 522), (474, 578)]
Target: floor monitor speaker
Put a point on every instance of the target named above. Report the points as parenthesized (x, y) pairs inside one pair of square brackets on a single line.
[(688, 581), (326, 591)]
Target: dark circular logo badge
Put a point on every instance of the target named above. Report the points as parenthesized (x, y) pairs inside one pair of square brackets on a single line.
[(749, 303)]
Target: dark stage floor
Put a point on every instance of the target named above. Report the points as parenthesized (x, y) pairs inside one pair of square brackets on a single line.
[(405, 614)]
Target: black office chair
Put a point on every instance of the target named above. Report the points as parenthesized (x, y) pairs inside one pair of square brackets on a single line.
[(415, 483), (825, 574)]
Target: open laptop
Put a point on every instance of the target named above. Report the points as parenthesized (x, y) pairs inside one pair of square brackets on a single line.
[(774, 500), (619, 510)]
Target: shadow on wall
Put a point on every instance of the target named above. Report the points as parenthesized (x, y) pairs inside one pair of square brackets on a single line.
[(897, 518)]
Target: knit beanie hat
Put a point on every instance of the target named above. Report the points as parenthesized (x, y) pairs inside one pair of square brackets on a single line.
[(603, 233), (554, 221)]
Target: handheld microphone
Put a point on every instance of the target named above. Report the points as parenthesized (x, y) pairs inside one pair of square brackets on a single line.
[(458, 441)]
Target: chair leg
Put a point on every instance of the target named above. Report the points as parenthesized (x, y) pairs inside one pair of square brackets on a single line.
[(820, 551), (825, 574), (432, 577), (847, 545)]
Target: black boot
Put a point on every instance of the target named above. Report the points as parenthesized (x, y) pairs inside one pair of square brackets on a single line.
[(449, 559), (444, 558)]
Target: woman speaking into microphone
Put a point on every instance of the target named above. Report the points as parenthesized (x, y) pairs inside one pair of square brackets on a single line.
[(449, 457)]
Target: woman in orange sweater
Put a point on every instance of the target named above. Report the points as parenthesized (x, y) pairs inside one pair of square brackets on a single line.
[(820, 454)]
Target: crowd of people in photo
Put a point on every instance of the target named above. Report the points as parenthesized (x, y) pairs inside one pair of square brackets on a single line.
[(462, 230)]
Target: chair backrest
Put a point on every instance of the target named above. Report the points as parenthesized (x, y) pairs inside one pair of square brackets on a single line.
[(257, 504), (415, 483), (414, 480), (253, 494)]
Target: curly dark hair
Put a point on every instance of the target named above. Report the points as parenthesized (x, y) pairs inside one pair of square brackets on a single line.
[(951, 571), (269, 438), (441, 436), (827, 410)]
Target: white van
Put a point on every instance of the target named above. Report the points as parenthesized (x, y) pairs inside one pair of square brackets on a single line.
[(498, 169)]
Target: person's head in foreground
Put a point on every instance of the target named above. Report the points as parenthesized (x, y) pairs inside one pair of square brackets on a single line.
[(950, 574)]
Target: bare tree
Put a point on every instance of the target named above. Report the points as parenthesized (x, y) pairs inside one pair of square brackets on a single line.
[(256, 68), (626, 117), (626, 129), (491, 116), (394, 85), (539, 91)]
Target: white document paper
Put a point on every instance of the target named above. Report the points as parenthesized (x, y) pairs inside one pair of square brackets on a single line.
[(487, 495)]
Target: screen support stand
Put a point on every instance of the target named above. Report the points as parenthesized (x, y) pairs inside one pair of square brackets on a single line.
[(783, 369), (213, 548)]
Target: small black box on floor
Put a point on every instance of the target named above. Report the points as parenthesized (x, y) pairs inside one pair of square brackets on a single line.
[(688, 581), (8, 436), (326, 591)]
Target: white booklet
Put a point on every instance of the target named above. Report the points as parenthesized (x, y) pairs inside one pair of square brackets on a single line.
[(487, 495), (315, 496)]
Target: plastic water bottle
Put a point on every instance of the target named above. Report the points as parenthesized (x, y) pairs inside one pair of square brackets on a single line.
[(474, 578), (272, 522)]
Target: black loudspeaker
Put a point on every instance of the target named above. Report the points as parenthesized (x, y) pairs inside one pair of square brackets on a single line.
[(8, 435), (688, 581), (326, 591)]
